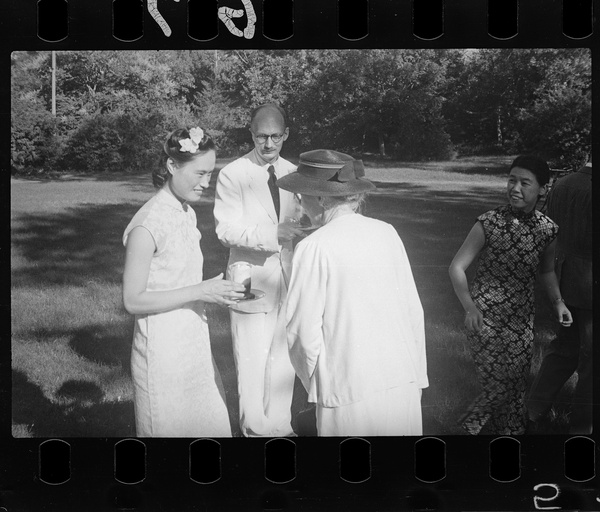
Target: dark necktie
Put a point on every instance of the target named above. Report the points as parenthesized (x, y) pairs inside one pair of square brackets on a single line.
[(274, 188)]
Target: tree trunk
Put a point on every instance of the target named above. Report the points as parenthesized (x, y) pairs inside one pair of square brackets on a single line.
[(499, 137), (53, 83), (381, 144)]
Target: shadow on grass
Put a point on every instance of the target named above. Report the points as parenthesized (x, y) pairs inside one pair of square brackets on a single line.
[(104, 344), (83, 244), (46, 419)]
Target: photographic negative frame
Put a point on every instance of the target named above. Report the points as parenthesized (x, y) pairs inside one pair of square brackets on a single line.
[(304, 473)]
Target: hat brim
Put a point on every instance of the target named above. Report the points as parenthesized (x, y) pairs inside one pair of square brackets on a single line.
[(301, 184)]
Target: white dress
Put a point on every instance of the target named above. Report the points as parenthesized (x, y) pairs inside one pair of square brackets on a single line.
[(177, 388)]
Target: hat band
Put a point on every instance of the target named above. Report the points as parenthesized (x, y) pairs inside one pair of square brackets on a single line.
[(351, 170), (322, 166)]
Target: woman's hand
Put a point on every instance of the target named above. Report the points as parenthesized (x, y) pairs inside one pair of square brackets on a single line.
[(473, 320), (220, 291), (563, 314)]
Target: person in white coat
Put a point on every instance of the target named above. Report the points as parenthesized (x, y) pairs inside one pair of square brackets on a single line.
[(254, 219), (354, 318)]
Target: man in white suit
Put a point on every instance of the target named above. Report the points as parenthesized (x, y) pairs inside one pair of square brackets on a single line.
[(252, 219)]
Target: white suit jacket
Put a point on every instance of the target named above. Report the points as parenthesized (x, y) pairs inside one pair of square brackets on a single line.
[(355, 320), (246, 222)]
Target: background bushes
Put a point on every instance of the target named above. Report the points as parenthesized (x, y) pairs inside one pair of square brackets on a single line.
[(114, 108)]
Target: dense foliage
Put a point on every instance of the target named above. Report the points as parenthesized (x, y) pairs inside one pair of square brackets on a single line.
[(114, 108)]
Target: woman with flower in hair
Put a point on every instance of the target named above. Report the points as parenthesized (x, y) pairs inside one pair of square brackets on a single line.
[(177, 387)]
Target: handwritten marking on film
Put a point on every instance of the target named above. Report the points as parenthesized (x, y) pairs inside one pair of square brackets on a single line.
[(226, 15), (537, 499), (155, 13)]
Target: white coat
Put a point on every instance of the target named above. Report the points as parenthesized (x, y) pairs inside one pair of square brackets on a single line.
[(246, 222), (354, 319)]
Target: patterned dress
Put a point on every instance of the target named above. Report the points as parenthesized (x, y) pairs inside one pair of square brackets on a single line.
[(503, 290), (177, 387)]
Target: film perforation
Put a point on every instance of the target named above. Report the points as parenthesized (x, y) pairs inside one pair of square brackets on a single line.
[(205, 461), (203, 19), (355, 460), (430, 459), (579, 453), (428, 18), (278, 19), (353, 16), (503, 18), (130, 461), (54, 462), (280, 461), (128, 20), (578, 18), (53, 20), (505, 459)]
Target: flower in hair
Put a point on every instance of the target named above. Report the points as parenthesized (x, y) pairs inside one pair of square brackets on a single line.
[(191, 145), (197, 134)]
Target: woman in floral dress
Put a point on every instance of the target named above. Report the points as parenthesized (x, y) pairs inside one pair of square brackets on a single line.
[(514, 242), (177, 387)]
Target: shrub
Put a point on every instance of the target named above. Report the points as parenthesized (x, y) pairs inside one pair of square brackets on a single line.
[(124, 139), (32, 133)]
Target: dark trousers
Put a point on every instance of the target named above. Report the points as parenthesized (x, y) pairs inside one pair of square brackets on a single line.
[(570, 351)]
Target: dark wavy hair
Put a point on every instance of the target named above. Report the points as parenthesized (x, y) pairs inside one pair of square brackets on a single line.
[(172, 150), (534, 164)]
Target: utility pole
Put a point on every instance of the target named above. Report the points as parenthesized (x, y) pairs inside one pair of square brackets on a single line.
[(53, 83)]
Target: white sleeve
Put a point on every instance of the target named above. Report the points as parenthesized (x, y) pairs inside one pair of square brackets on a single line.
[(304, 310), (232, 228)]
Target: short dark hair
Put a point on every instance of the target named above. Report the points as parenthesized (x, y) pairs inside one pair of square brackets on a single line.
[(172, 150), (269, 106), (534, 164)]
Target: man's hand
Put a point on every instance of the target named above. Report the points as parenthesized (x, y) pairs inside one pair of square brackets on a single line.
[(288, 230)]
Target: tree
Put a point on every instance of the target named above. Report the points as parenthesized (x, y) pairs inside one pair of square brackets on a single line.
[(558, 123), (379, 99), (520, 100)]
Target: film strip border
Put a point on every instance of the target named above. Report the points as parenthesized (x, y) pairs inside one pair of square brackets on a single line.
[(204, 18), (536, 473), (73, 22), (282, 474)]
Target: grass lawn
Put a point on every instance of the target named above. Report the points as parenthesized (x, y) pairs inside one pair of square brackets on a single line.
[(71, 337)]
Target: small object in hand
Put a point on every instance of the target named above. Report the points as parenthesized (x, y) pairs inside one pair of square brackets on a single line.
[(241, 272)]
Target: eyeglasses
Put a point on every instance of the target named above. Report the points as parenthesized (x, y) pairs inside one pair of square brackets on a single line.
[(275, 137)]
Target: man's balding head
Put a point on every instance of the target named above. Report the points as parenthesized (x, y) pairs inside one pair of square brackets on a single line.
[(269, 110), (266, 122)]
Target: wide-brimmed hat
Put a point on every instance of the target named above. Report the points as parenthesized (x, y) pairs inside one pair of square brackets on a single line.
[(324, 172)]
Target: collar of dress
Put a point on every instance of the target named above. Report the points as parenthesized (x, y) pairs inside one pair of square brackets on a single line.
[(519, 216), (170, 200)]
